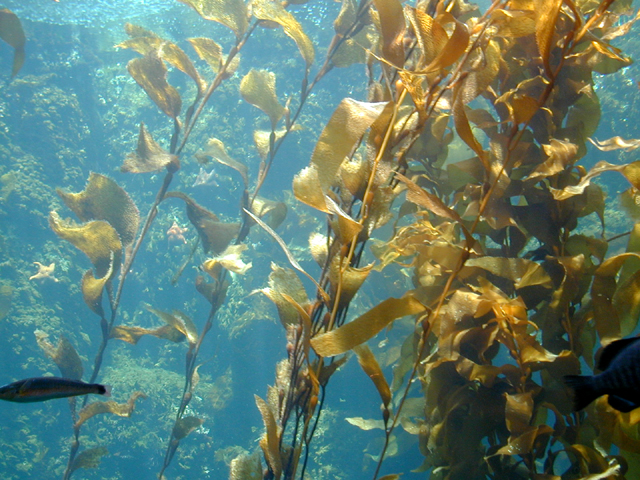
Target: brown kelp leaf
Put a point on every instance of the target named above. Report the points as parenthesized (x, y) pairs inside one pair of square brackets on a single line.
[(560, 155), (350, 279), (518, 412), (258, 87), (392, 26), (97, 239), (151, 74), (270, 443), (209, 51), (354, 50), (627, 302), (273, 213), (547, 14), (64, 355), (524, 443), (217, 151), (246, 467), (521, 107), (104, 199), (120, 409), (485, 67), (365, 326), (371, 367), (461, 122), (283, 281), (345, 128), (230, 13), (92, 289), (229, 259), (185, 425), (346, 227), (6, 292), (521, 271), (173, 54), (12, 33), (292, 260), (616, 143), (455, 46), (214, 234), (585, 181), (179, 321), (431, 36), (319, 248), (149, 156), (603, 290), (275, 12), (133, 334), (514, 23), (89, 458)]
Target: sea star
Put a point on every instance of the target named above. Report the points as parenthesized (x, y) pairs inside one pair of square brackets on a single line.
[(44, 272), (176, 233)]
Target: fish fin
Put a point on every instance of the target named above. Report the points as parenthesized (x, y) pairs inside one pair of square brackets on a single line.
[(622, 404), (107, 390), (584, 391), (614, 349)]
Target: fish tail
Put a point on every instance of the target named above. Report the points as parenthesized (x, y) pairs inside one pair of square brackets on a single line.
[(584, 390), (107, 390)]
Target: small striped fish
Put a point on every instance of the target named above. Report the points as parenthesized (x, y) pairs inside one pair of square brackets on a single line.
[(41, 389), (620, 377)]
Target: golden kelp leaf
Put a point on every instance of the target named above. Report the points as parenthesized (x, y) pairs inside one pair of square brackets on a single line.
[(319, 248), (392, 26), (354, 50), (12, 33), (230, 13), (627, 302), (97, 239), (270, 443), (521, 107), (346, 227), (185, 425), (89, 458), (92, 289), (431, 36), (151, 74), (413, 84), (455, 46), (6, 292), (104, 199), (143, 41), (258, 87), (514, 23), (521, 271), (214, 235), (275, 12), (217, 151), (120, 409), (285, 281), (345, 128), (133, 334), (631, 172), (349, 278), (64, 355), (370, 365), (461, 122), (518, 411), (422, 198), (366, 424), (272, 212), (597, 169), (547, 15), (485, 67), (616, 143), (246, 467), (585, 113), (560, 153), (524, 443), (208, 50), (172, 53), (149, 156), (179, 321), (292, 260), (365, 326), (229, 259)]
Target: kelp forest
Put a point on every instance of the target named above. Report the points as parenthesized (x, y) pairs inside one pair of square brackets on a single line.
[(415, 209)]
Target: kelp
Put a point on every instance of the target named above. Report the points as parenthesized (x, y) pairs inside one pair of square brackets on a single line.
[(12, 33), (507, 292)]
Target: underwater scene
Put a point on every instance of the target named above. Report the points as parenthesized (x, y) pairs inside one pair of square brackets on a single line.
[(318, 239)]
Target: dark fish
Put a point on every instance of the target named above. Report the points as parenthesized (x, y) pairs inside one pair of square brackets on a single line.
[(47, 388), (620, 377)]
